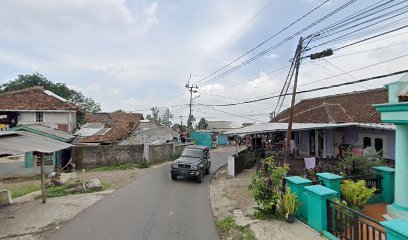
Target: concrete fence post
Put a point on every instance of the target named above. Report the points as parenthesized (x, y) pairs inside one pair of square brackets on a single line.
[(396, 229), (331, 181), (387, 176), (317, 197), (296, 185)]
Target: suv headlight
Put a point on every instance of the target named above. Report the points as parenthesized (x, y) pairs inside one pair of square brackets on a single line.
[(194, 167), (174, 165)]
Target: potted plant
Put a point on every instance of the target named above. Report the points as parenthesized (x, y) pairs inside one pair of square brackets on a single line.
[(288, 205)]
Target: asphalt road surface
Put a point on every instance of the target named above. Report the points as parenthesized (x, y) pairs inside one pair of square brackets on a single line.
[(153, 207)]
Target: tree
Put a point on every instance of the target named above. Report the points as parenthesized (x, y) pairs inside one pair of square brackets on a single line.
[(190, 121), (60, 89), (167, 117), (149, 117), (202, 124), (155, 113), (119, 111)]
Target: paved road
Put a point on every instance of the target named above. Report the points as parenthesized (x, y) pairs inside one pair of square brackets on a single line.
[(153, 207)]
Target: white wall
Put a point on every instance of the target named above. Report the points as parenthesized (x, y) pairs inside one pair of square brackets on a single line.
[(50, 119)]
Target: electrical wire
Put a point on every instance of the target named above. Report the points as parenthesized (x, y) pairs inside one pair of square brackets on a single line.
[(311, 90), (263, 42), (276, 45)]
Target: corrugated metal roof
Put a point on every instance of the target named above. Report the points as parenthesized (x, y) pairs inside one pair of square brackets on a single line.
[(13, 142), (47, 130), (276, 127)]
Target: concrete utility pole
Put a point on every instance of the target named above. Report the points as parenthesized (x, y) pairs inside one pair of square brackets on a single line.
[(192, 89), (181, 120), (298, 58), (297, 65), (40, 157)]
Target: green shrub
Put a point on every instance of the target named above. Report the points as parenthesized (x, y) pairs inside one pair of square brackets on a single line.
[(143, 164), (356, 194), (266, 185), (249, 159), (288, 204), (352, 165), (226, 224)]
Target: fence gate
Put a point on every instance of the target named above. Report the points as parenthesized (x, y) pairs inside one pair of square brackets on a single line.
[(347, 224)]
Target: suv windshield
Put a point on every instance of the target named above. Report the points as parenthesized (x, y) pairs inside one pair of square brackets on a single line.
[(191, 152)]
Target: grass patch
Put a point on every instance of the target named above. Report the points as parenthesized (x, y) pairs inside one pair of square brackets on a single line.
[(73, 187), (229, 229), (121, 166), (19, 191)]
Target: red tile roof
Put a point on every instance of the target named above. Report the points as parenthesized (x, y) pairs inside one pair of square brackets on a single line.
[(34, 98), (339, 108), (120, 124)]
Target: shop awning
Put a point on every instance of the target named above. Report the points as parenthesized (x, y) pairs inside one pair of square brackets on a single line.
[(278, 127), (19, 142)]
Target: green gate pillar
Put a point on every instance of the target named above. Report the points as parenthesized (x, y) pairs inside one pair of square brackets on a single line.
[(317, 206), (296, 185), (331, 181), (396, 112), (387, 176), (396, 229)]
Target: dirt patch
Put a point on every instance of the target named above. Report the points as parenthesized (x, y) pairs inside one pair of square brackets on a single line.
[(230, 198)]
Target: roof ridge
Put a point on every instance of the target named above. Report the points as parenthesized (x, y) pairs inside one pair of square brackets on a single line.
[(24, 90), (328, 112), (346, 94)]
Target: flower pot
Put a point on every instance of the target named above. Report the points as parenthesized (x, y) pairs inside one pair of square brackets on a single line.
[(290, 219)]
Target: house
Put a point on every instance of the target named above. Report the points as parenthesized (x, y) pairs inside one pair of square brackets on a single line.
[(218, 128), (37, 105), (326, 126), (151, 132), (19, 151), (107, 128)]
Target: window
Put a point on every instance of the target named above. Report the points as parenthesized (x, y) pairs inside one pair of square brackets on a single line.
[(378, 145), (367, 142), (39, 116)]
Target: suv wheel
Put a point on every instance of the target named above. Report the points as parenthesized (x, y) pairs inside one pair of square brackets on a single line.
[(199, 178), (173, 177), (207, 170)]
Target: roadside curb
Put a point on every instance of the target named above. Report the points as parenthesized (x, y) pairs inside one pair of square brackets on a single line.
[(209, 197)]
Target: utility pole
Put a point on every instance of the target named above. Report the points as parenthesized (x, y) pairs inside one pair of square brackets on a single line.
[(181, 120), (298, 58), (192, 89), (298, 55)]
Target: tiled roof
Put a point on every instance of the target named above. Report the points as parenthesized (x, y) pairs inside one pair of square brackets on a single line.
[(117, 125), (340, 108), (34, 98)]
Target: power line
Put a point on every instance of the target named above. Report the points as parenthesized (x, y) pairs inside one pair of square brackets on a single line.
[(142, 110), (253, 119), (242, 28), (311, 90), (372, 37), (265, 41), (277, 45)]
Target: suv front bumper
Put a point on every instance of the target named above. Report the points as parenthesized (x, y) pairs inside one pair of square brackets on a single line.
[(184, 172)]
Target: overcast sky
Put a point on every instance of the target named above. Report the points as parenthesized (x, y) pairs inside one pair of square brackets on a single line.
[(133, 55)]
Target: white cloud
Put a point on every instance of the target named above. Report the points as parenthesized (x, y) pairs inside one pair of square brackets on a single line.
[(272, 56)]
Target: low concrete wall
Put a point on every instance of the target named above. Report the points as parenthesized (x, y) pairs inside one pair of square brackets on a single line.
[(161, 153), (96, 156)]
